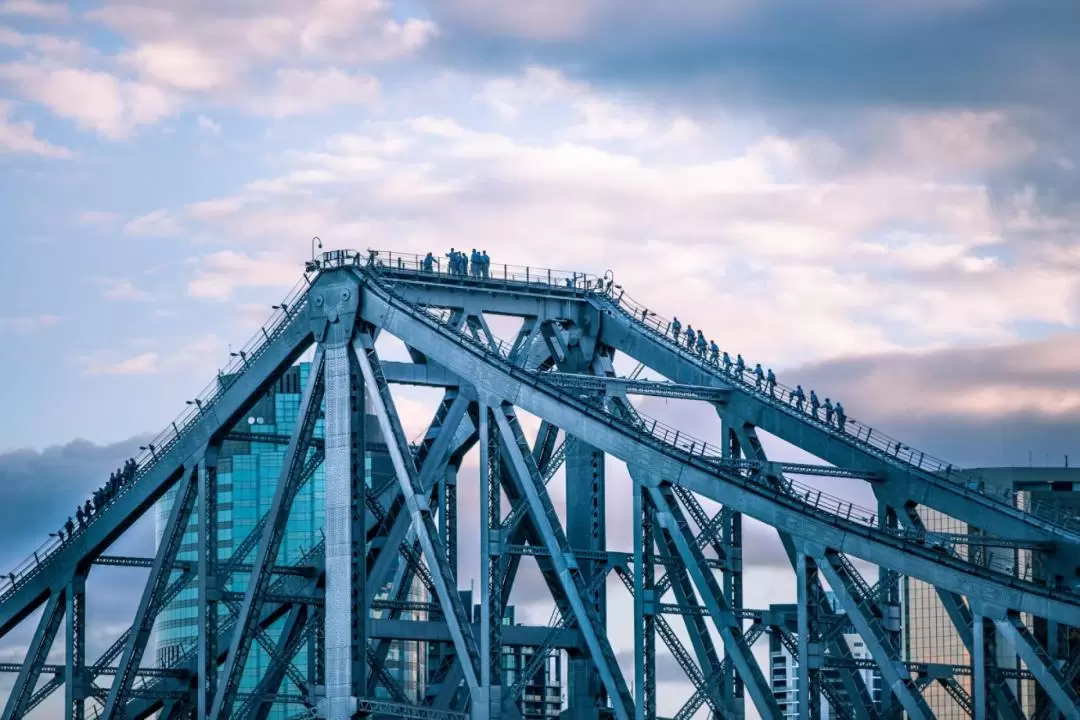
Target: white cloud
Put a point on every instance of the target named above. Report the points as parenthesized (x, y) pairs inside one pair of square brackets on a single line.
[(27, 324), (142, 364), (158, 223), (177, 65), (298, 92), (209, 209), (208, 126), (19, 137), (220, 274), (35, 9), (94, 100), (120, 289)]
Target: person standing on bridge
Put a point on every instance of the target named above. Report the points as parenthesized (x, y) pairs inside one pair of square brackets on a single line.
[(714, 353), (690, 335), (759, 376), (841, 417), (799, 397), (428, 263), (452, 262), (485, 265), (770, 383), (828, 411), (740, 366), (727, 363), (701, 344), (814, 404), (676, 329)]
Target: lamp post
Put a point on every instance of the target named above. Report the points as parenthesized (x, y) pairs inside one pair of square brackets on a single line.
[(315, 241)]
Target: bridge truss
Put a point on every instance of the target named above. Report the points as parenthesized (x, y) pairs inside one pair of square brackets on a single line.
[(348, 598)]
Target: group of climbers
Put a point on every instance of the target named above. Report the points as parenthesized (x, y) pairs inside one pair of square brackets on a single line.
[(764, 380), (476, 264), (100, 499)]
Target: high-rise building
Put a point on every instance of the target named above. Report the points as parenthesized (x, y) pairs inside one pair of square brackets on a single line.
[(784, 667), (249, 466)]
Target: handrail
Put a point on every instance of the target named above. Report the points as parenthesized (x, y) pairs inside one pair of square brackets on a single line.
[(695, 451), (177, 430), (877, 443)]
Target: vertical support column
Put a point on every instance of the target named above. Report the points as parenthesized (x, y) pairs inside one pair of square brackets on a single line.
[(733, 581), (585, 530), (889, 602), (209, 591), (450, 485), (75, 656), (489, 702), (644, 599), (978, 653), (809, 645), (346, 607)]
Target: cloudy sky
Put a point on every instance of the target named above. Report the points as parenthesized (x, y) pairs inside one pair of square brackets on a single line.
[(879, 199)]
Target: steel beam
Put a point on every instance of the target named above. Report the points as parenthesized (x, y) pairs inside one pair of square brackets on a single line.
[(270, 543), (19, 698), (292, 636), (346, 539), (1042, 666), (151, 603), (420, 510), (644, 624), (523, 467), (209, 590), (75, 681), (743, 439), (844, 580), (730, 628)]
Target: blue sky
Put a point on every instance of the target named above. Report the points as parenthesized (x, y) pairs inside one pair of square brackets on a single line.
[(886, 195)]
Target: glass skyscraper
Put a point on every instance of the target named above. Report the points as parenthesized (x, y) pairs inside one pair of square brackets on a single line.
[(248, 471)]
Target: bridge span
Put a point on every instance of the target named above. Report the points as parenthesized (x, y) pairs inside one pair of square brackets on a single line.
[(279, 631)]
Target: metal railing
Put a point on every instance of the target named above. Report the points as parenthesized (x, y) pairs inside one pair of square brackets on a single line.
[(177, 430), (874, 441), (805, 498)]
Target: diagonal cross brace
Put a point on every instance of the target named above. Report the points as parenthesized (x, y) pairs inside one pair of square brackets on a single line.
[(841, 579), (269, 545), (523, 468), (417, 503), (674, 525), (1040, 663), (155, 589), (21, 694)]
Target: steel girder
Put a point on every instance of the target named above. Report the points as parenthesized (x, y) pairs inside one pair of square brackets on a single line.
[(681, 582), (420, 510), (527, 476), (746, 494), (625, 332), (151, 603), (270, 542), (19, 699), (861, 703), (675, 526), (849, 587)]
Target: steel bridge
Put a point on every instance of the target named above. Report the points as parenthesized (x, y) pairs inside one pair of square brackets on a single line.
[(348, 598)]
